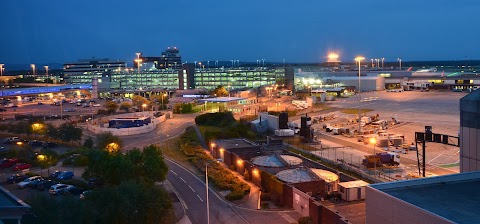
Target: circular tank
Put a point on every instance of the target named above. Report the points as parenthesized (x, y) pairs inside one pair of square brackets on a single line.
[(301, 175), (274, 161)]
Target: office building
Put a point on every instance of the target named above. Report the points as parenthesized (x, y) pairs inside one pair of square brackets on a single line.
[(170, 59), (82, 71)]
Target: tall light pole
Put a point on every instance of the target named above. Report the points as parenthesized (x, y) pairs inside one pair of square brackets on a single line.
[(232, 63), (372, 62), (138, 60), (206, 186), (382, 63), (263, 62), (33, 71), (373, 141), (400, 63), (208, 64), (1, 69), (46, 72), (1, 74), (359, 60)]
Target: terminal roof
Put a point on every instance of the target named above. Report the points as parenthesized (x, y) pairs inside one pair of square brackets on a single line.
[(453, 197)]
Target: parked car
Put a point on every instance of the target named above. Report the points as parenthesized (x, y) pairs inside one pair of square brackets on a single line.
[(76, 190), (46, 184), (69, 110), (21, 166), (49, 145), (34, 183), (94, 182), (66, 175), (96, 105), (3, 149), (40, 103), (55, 173), (10, 140), (5, 163), (24, 183), (84, 194), (36, 143), (3, 109), (15, 178), (59, 189)]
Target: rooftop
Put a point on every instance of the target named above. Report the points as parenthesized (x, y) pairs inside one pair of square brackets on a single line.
[(234, 143), (11, 207), (353, 184), (453, 197)]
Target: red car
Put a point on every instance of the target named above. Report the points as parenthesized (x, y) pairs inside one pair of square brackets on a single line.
[(21, 166), (5, 163)]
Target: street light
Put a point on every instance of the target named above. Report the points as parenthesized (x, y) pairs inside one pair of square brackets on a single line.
[(41, 158), (373, 141), (46, 72), (163, 95), (138, 60), (112, 147), (144, 105), (33, 71), (382, 63), (359, 60), (400, 63)]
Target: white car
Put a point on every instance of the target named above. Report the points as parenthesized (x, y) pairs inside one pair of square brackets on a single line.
[(96, 105), (25, 182), (59, 189)]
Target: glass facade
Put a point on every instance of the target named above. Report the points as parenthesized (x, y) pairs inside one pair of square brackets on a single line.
[(238, 78), (165, 79)]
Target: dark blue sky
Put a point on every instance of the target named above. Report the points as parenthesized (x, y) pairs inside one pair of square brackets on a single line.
[(35, 31)]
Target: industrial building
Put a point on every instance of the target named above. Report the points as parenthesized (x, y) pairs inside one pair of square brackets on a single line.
[(84, 70), (435, 200), (170, 58)]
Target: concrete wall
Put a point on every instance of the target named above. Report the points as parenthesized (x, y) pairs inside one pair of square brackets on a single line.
[(97, 128), (301, 202), (384, 208)]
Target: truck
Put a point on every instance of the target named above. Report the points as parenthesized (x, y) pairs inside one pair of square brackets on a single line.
[(365, 120), (284, 132), (381, 159)]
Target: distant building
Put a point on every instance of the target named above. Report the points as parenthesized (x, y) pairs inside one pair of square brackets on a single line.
[(170, 59), (435, 200), (82, 71)]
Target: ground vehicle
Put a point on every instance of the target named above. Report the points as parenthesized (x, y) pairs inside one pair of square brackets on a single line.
[(65, 175), (36, 143), (381, 159), (76, 191), (69, 110), (21, 166), (10, 140), (55, 173), (46, 184), (284, 132), (15, 178), (85, 193), (96, 105), (5, 163), (3, 149), (34, 183), (24, 183), (39, 103), (2, 109), (365, 120), (59, 189)]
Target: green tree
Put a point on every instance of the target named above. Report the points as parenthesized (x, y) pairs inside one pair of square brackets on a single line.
[(129, 203), (109, 142), (154, 165), (220, 91), (138, 101), (160, 100), (88, 143), (111, 107), (125, 106), (69, 132)]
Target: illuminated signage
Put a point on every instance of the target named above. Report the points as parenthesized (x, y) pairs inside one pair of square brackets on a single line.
[(463, 81)]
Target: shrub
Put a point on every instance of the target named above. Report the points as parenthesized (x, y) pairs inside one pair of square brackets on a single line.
[(265, 205), (265, 197), (305, 220), (220, 119)]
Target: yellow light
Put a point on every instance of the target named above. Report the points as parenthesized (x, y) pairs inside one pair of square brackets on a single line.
[(41, 157), (359, 58), (19, 143), (222, 149), (240, 162), (255, 172), (212, 144), (373, 141), (144, 105), (333, 56)]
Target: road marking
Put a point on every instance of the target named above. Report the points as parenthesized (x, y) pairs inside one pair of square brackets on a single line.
[(183, 180), (191, 188), (199, 198), (287, 217), (174, 172)]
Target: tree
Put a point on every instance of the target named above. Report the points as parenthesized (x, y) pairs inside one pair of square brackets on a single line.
[(161, 100), (69, 132), (154, 165), (220, 91), (88, 143), (111, 107), (109, 142), (125, 106), (138, 101)]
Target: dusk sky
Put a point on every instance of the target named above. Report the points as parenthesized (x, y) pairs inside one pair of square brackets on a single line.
[(58, 31)]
